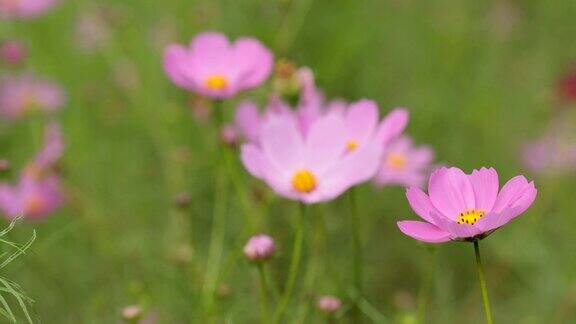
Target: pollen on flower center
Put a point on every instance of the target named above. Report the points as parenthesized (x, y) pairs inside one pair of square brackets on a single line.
[(351, 145), (470, 216), (396, 161), (216, 82), (304, 181)]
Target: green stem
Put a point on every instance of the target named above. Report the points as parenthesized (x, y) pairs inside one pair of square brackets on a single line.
[(483, 288), (424, 294), (357, 252), (217, 236), (294, 266), (263, 293)]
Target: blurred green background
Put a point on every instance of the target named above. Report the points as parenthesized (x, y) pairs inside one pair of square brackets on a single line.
[(477, 76)]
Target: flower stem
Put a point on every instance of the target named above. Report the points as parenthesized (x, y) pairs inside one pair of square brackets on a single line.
[(357, 252), (483, 288), (217, 236), (263, 293), (294, 266), (424, 294)]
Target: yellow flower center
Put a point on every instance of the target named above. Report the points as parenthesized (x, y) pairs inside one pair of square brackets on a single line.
[(304, 181), (396, 161), (34, 204), (470, 216), (351, 145), (216, 82)]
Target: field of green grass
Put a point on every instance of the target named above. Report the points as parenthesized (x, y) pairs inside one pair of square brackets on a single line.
[(479, 80)]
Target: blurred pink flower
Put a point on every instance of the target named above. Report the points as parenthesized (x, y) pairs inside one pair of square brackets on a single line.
[(24, 9), (38, 191), (31, 198), (404, 164), (465, 207), (312, 168), (329, 304), (216, 68), (259, 247), (22, 94), (13, 52)]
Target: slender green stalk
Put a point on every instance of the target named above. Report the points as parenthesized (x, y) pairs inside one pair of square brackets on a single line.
[(218, 233), (263, 293), (294, 266), (357, 252), (483, 288), (424, 294)]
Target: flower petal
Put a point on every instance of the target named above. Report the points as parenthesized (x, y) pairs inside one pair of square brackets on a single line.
[(451, 192), (517, 192), (420, 203), (175, 60), (392, 125), (282, 143), (325, 144), (247, 119), (485, 185), (253, 62), (423, 231), (361, 119)]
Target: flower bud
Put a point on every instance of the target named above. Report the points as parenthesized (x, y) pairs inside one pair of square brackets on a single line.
[(259, 248), (229, 135), (329, 304)]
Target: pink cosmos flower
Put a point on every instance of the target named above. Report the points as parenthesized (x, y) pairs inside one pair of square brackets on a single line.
[(465, 207), (312, 168), (10, 9), (13, 51), (38, 191), (22, 94), (404, 164), (259, 247), (216, 68)]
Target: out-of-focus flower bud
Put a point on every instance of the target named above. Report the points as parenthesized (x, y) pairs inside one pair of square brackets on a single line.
[(286, 82), (182, 200), (259, 248), (329, 304)]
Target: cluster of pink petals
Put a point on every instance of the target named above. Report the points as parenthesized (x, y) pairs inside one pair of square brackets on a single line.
[(311, 106), (22, 94), (405, 164), (24, 9), (452, 193), (330, 169), (259, 247), (216, 68), (38, 191)]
